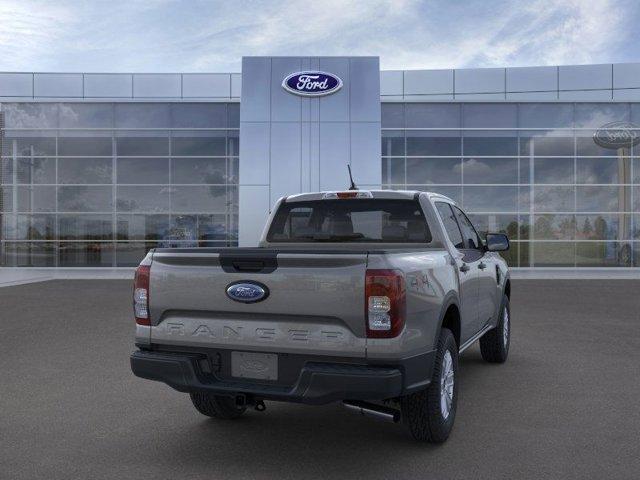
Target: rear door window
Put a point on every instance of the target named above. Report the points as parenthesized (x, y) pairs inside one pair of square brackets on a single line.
[(450, 224)]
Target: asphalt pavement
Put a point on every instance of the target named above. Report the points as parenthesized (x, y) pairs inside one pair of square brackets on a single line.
[(564, 406)]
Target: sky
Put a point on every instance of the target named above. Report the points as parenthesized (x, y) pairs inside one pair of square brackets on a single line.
[(212, 36)]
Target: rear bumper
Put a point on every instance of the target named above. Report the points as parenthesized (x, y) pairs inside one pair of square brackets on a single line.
[(317, 382)]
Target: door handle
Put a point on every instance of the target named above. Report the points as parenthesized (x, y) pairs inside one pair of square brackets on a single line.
[(464, 268), (482, 266)]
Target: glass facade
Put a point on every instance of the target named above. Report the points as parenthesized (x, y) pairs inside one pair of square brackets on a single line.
[(531, 170), (99, 184)]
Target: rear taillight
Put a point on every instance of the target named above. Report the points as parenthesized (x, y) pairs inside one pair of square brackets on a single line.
[(141, 295), (385, 303)]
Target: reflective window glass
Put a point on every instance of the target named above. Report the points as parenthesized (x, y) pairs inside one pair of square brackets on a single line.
[(603, 254), (490, 115), (30, 115), (199, 115), (86, 115), (142, 227), (490, 145), (35, 227), (143, 199), (393, 171), (85, 170), (450, 224), (490, 170), (142, 170), (603, 199), (142, 146), (542, 144), (553, 170), (85, 227), (213, 145), (36, 199), (31, 146), (392, 115), (432, 115), (554, 227), (545, 115), (552, 254), (36, 170), (602, 226), (554, 199), (392, 143), (433, 144), (434, 170), (490, 199), (39, 254), (603, 170), (492, 223), (471, 238), (85, 199), (90, 146), (199, 199), (142, 115), (199, 170), (598, 114), (81, 254)]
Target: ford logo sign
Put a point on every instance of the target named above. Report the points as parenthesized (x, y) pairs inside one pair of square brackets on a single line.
[(617, 135), (247, 292), (312, 84)]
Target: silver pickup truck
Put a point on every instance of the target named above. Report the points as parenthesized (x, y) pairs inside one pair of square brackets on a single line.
[(363, 297)]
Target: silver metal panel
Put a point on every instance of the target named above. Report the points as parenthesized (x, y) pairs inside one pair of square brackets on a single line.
[(586, 95), (365, 154), (582, 77), (108, 85), (391, 83), (157, 85), (626, 75), (425, 98), (532, 79), (479, 80), (206, 85), (364, 85), (305, 155), (532, 96), (335, 149), (253, 211), (16, 84), (480, 97), (236, 85), (285, 165), (57, 85), (254, 152), (629, 94), (335, 107), (285, 107), (427, 82), (256, 90)]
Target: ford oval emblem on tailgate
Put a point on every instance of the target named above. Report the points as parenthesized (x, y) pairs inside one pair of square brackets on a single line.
[(247, 292)]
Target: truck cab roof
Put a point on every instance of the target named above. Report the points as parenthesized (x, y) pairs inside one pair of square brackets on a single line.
[(382, 194)]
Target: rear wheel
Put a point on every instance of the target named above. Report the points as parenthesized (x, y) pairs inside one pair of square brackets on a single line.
[(494, 345), (429, 414), (216, 406)]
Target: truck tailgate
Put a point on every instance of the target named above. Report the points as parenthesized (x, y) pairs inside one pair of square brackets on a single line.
[(315, 302)]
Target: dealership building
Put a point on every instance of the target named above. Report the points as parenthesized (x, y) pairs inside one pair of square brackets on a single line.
[(98, 168)]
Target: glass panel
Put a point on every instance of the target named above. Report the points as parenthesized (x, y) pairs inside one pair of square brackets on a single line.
[(93, 115), (525, 173), (142, 170), (32, 146), (40, 254), (392, 115), (36, 170), (6, 170), (523, 255), (435, 143), (546, 144), (603, 199), (603, 227), (199, 170), (6, 199), (147, 146), (92, 146), (79, 254), (511, 255), (545, 115), (491, 144), (34, 227), (490, 170), (585, 145), (233, 112), (507, 224), (199, 115), (432, 115), (143, 199), (36, 199), (553, 170), (598, 114), (636, 170), (603, 170), (434, 170), (554, 227), (392, 143), (490, 115), (131, 254), (85, 227), (552, 254), (603, 254), (233, 143), (525, 227), (393, 171), (142, 115), (490, 199), (450, 224), (199, 199), (142, 227), (206, 145), (85, 170), (233, 169), (210, 230), (554, 199), (30, 115), (85, 199)]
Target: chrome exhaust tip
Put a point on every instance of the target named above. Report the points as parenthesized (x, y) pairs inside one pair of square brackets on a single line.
[(378, 412)]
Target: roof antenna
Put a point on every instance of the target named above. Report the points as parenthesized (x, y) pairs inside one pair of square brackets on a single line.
[(353, 185)]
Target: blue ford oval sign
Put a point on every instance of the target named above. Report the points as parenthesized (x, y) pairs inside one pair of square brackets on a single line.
[(312, 83), (247, 292)]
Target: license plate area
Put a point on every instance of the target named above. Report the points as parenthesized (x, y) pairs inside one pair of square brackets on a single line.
[(259, 366)]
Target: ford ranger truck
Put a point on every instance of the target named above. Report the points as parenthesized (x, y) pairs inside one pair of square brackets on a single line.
[(360, 297)]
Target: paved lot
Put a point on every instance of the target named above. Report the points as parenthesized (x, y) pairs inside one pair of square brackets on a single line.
[(564, 406)]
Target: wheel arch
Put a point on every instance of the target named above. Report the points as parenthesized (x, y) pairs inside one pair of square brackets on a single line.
[(450, 316)]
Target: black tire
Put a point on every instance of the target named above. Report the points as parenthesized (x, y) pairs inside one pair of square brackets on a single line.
[(421, 411), (216, 406), (493, 346)]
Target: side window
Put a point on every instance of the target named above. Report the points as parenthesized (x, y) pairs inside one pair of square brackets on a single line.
[(471, 238), (450, 224)]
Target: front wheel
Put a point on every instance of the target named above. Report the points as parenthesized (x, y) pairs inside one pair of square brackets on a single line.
[(494, 345), (429, 414)]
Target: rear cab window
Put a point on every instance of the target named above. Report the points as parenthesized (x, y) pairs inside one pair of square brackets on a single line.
[(350, 220)]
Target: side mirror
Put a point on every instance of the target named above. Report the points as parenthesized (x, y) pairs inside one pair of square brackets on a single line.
[(496, 242)]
